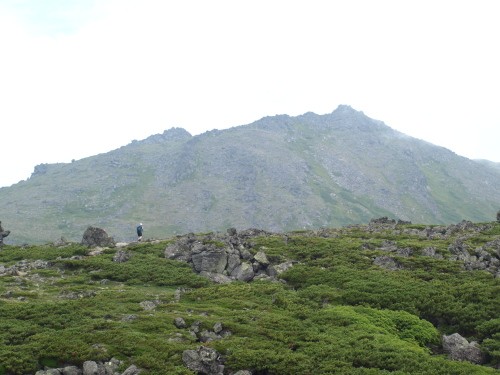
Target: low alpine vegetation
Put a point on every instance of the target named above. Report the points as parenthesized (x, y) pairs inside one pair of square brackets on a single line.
[(373, 299)]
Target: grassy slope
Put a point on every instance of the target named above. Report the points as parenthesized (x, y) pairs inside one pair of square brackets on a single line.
[(337, 313)]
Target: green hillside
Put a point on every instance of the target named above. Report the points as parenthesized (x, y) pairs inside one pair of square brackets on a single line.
[(361, 299)]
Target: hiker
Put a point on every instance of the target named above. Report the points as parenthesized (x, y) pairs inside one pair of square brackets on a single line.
[(139, 232)]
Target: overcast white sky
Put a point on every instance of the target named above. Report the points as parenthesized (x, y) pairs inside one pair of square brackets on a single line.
[(82, 77)]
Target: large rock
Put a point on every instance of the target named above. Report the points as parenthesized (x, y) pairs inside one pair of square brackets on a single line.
[(459, 251), (244, 272), (459, 349), (261, 257), (181, 249), (224, 258), (90, 368), (203, 360), (233, 261), (97, 237), (180, 322), (210, 259)]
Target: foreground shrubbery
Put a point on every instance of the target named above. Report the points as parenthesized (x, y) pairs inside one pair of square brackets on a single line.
[(337, 312)]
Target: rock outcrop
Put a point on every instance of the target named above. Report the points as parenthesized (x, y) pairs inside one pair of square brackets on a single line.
[(225, 258), (459, 349), (23, 266), (97, 237), (218, 332), (484, 258), (207, 361), (204, 360)]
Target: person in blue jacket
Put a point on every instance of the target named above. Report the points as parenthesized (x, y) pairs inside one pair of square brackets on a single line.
[(139, 232)]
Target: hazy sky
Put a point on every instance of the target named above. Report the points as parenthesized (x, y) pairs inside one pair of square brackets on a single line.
[(82, 77)]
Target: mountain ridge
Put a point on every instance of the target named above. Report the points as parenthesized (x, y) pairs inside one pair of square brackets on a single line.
[(277, 173)]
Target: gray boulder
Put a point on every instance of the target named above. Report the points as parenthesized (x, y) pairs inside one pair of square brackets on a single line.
[(180, 323), (218, 327), (261, 257), (459, 251), (94, 237), (111, 367), (233, 261), (90, 368), (207, 336), (195, 327), (203, 360), (210, 259), (180, 250), (245, 254), (244, 272), (459, 349)]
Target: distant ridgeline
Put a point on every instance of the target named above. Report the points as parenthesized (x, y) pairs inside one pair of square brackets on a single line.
[(279, 173)]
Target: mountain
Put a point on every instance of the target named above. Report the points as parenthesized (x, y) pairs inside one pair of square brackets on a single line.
[(279, 173)]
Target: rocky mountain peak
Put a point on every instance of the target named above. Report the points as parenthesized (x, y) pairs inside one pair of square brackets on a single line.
[(346, 109), (347, 117), (172, 134)]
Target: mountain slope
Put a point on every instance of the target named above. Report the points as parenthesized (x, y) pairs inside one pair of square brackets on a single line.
[(278, 173)]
